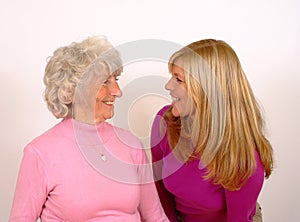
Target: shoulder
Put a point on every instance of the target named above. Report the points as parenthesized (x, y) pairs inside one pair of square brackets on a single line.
[(163, 110), (159, 121), (51, 138), (158, 140)]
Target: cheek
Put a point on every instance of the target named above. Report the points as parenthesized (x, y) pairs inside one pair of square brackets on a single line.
[(183, 107), (183, 97), (181, 91), (97, 106), (102, 93)]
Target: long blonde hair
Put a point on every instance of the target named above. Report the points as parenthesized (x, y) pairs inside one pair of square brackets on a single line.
[(227, 126)]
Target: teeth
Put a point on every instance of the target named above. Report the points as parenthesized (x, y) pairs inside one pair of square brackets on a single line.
[(175, 99), (109, 103)]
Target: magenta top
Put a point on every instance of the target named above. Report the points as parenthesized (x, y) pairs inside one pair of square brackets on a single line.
[(63, 178), (183, 189)]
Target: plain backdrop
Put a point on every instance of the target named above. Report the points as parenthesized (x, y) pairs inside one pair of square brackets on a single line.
[(264, 34)]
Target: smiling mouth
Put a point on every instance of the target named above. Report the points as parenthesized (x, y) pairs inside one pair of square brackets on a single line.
[(175, 99), (108, 102)]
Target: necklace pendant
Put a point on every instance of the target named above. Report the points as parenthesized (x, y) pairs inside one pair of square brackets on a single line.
[(103, 157)]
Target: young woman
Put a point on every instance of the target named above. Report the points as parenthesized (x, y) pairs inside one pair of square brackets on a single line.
[(209, 152)]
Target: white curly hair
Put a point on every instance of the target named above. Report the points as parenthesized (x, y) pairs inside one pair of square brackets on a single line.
[(71, 65)]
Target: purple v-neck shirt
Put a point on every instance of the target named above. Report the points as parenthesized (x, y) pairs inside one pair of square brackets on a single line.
[(183, 188)]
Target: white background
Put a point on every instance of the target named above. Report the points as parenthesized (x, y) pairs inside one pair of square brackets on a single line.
[(265, 35)]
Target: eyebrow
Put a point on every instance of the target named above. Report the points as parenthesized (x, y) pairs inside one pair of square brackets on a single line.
[(179, 75)]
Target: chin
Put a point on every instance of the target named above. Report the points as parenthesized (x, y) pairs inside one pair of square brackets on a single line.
[(175, 112), (109, 116)]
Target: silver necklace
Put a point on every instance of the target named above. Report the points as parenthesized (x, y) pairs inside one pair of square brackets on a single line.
[(89, 140), (103, 157)]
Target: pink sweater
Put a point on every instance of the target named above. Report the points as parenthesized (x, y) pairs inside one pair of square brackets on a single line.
[(61, 181)]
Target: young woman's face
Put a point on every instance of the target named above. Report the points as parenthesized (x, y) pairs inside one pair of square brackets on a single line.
[(178, 90), (104, 105)]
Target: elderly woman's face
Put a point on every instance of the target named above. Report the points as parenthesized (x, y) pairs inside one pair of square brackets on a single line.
[(104, 104)]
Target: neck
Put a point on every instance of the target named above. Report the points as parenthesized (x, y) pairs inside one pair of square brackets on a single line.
[(86, 117)]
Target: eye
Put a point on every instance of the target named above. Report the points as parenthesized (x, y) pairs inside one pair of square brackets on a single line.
[(178, 80), (110, 80)]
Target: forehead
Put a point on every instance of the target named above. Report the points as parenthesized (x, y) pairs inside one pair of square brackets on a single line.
[(177, 68), (109, 75), (178, 62)]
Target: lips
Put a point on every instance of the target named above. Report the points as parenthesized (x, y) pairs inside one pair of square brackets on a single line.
[(109, 102), (175, 99)]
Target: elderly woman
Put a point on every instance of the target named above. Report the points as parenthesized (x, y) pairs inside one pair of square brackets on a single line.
[(83, 168)]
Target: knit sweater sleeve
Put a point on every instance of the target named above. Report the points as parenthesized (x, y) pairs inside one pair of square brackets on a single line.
[(150, 207), (241, 204), (31, 188), (157, 152)]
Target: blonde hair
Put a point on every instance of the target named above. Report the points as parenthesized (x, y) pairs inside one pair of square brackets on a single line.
[(227, 126), (66, 68)]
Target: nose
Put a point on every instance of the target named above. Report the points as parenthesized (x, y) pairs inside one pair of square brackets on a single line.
[(169, 85), (115, 89)]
